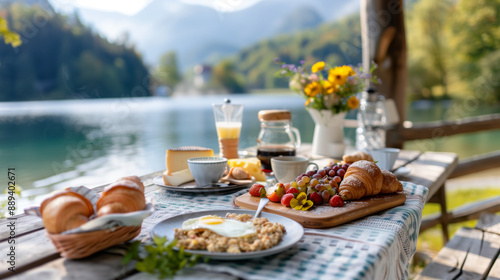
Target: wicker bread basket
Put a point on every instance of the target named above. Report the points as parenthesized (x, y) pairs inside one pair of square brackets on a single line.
[(80, 245)]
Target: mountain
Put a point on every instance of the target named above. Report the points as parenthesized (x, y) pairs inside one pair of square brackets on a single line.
[(201, 33), (300, 19), (336, 43)]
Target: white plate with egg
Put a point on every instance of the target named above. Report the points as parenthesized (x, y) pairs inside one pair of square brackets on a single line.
[(192, 187), (294, 232)]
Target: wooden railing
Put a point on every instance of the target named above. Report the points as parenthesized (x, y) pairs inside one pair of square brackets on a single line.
[(437, 129), (398, 135)]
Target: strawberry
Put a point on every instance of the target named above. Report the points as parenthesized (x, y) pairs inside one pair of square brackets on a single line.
[(285, 200), (336, 201), (292, 190), (316, 198), (257, 190), (276, 193)]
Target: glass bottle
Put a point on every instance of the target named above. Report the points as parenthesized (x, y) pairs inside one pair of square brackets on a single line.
[(372, 119), (277, 137)]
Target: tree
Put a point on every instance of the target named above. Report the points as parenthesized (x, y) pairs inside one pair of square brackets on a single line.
[(225, 75), (476, 41), (62, 58), (428, 47), (167, 72)]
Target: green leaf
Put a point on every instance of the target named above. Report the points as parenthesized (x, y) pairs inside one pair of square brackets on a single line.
[(141, 267), (159, 257)]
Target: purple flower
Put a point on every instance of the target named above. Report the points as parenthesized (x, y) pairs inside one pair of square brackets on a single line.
[(301, 62), (284, 65), (292, 67), (365, 76), (276, 60)]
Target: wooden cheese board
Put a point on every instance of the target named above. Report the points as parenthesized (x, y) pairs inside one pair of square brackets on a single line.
[(325, 216)]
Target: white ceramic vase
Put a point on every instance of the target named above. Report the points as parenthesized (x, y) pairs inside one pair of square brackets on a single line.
[(328, 139)]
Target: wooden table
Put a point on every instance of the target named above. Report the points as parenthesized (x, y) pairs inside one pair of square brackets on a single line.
[(36, 257)]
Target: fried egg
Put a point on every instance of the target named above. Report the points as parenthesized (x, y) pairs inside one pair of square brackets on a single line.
[(221, 226)]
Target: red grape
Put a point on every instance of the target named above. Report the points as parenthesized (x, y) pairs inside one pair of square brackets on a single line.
[(337, 179), (311, 173), (332, 173), (317, 176), (341, 173), (326, 196), (320, 187), (322, 173)]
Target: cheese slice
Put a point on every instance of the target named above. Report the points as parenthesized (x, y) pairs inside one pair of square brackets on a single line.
[(251, 165), (176, 159), (177, 178)]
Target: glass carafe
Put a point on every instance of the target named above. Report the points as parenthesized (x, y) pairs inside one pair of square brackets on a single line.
[(277, 137)]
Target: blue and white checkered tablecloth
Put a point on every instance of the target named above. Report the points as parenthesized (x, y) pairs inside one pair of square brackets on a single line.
[(378, 246)]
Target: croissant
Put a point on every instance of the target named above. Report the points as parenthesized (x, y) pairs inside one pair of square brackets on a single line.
[(123, 196), (363, 178), (134, 179), (391, 183), (357, 156), (65, 210)]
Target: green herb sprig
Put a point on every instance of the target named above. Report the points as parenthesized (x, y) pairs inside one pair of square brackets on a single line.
[(160, 258)]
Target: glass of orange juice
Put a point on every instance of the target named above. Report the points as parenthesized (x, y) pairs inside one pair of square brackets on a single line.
[(228, 124)]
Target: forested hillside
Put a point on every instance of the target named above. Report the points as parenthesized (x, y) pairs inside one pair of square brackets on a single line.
[(454, 49), (60, 58), (335, 43)]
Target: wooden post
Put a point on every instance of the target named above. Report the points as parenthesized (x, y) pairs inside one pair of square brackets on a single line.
[(384, 42)]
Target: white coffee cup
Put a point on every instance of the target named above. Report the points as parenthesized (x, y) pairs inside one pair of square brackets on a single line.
[(385, 157), (207, 170), (287, 168)]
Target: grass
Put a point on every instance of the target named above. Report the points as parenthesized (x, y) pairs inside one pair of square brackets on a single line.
[(431, 239)]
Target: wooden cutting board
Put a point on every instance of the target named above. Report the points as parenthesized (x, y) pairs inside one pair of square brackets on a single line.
[(325, 216)]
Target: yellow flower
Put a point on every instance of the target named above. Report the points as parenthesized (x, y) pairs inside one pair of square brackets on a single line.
[(301, 202), (318, 66), (308, 101), (353, 102), (313, 89), (338, 75), (329, 88)]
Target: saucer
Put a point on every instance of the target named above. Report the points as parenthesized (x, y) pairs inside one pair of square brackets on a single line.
[(192, 187), (402, 171)]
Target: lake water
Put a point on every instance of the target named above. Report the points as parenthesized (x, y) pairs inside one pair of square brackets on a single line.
[(56, 144)]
